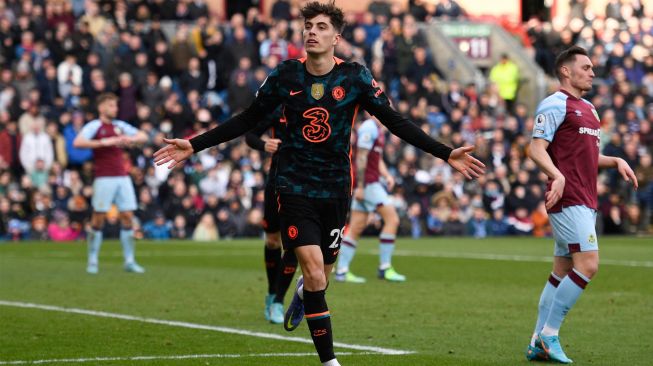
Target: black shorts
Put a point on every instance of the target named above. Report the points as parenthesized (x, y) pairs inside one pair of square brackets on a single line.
[(270, 210), (313, 221)]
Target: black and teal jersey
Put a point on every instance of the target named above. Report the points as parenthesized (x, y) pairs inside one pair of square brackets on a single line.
[(317, 117), (318, 113)]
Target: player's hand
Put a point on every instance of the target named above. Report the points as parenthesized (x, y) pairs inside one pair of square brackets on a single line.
[(466, 164), (627, 173), (555, 194), (125, 141), (390, 181), (272, 145), (176, 152), (359, 193), (110, 141)]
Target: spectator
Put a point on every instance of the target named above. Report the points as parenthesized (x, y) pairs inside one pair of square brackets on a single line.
[(39, 174), (69, 74), (10, 141), (60, 230), (449, 9), (478, 226), (498, 225), (36, 145), (158, 228), (505, 75), (39, 229), (31, 117), (453, 226), (127, 92), (76, 157), (180, 229), (182, 49), (206, 229), (540, 218), (58, 143)]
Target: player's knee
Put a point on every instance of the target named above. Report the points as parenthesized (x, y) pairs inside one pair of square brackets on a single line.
[(314, 279), (589, 270), (392, 220)]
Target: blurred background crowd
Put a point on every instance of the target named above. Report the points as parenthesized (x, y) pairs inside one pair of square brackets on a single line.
[(179, 70)]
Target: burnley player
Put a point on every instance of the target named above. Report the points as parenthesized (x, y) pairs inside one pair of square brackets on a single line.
[(565, 147), (320, 96), (107, 136), (370, 196), (279, 268)]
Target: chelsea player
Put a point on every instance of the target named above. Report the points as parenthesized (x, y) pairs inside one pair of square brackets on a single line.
[(320, 96)]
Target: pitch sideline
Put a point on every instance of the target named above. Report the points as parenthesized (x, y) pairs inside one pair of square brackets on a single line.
[(172, 323)]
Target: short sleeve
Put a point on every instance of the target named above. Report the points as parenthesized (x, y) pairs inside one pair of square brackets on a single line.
[(367, 135), (90, 129), (125, 128), (549, 116)]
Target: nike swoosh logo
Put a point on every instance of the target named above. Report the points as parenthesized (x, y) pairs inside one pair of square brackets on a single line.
[(292, 92)]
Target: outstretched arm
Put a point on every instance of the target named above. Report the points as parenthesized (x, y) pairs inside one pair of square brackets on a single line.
[(458, 158), (622, 167), (179, 150)]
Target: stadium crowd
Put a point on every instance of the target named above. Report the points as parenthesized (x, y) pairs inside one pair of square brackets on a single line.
[(179, 70)]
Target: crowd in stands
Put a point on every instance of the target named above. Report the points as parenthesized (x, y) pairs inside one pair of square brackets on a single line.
[(179, 70)]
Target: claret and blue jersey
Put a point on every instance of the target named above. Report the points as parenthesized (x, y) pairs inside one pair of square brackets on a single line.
[(572, 127)]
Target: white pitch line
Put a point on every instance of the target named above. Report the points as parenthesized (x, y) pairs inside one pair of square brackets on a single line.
[(103, 314), (173, 357)]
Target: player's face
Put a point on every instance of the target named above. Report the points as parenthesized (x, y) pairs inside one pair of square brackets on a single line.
[(109, 108), (581, 73), (319, 35)]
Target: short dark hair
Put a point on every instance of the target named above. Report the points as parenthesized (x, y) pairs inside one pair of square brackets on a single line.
[(568, 55), (315, 8), (104, 97)]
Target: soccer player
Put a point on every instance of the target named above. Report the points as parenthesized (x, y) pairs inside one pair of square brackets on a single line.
[(279, 268), (107, 137), (320, 96), (370, 196), (565, 146)]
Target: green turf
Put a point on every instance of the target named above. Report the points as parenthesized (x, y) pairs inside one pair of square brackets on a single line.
[(466, 302)]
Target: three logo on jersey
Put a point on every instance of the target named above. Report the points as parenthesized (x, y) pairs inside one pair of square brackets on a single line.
[(318, 129)]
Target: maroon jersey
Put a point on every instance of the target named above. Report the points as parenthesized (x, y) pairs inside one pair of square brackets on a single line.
[(108, 160), (370, 137), (572, 127)]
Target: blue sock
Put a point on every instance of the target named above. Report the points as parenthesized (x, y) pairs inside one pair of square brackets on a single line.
[(544, 307), (347, 251), (564, 299), (127, 242), (386, 247), (94, 243)]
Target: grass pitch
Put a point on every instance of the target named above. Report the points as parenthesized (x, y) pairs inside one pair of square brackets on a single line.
[(466, 302)]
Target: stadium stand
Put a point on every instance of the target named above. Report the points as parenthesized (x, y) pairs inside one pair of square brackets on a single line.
[(180, 69)]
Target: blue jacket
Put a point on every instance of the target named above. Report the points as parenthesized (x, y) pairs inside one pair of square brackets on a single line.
[(75, 155)]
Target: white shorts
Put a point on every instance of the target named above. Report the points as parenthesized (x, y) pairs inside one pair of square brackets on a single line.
[(110, 190), (574, 230), (375, 195)]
